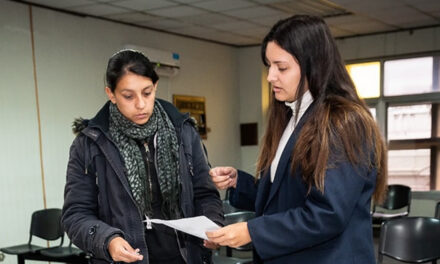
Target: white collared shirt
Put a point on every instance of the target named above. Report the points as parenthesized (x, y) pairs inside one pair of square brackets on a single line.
[(307, 100)]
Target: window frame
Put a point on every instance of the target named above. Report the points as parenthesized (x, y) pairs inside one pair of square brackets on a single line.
[(382, 103)]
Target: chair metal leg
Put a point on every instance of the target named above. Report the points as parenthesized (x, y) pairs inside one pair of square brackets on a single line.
[(20, 259), (228, 251)]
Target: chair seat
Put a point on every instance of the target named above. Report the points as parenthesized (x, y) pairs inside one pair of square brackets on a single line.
[(21, 249), (62, 252), (230, 260)]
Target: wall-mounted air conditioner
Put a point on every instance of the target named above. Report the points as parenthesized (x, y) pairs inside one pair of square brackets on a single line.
[(166, 62)]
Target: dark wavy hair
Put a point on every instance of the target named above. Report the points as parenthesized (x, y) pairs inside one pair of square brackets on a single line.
[(340, 126), (125, 61)]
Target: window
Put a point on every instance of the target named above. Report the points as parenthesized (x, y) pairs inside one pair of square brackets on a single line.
[(366, 78), (409, 122), (406, 104), (410, 167), (408, 76)]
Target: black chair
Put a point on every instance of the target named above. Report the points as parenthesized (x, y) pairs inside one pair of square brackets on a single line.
[(231, 218), (227, 207), (64, 253), (45, 224), (237, 217), (217, 259), (437, 210), (410, 239), (398, 197)]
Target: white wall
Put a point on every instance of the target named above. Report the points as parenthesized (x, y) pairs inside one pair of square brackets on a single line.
[(250, 84), (71, 56), (21, 185)]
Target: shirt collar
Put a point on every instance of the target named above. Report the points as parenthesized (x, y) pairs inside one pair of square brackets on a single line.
[(307, 100)]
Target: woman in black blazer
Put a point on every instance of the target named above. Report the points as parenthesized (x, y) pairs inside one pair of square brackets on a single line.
[(321, 161)]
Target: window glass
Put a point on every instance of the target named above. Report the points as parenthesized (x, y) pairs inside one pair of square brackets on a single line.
[(373, 112), (409, 122), (410, 167), (408, 76), (366, 78)]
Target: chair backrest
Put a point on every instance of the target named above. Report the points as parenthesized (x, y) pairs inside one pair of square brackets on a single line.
[(437, 211), (240, 216), (46, 224), (398, 196), (410, 239)]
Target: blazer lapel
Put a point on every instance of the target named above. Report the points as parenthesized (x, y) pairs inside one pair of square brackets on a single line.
[(286, 157), (263, 193)]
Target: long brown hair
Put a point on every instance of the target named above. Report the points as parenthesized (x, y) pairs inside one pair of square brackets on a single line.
[(340, 126)]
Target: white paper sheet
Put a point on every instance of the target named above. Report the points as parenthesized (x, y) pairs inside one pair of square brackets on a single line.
[(196, 226)]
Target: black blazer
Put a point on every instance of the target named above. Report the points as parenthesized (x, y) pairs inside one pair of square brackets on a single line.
[(320, 228)]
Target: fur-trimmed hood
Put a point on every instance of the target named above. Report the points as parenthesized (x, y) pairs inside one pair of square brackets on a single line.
[(79, 124)]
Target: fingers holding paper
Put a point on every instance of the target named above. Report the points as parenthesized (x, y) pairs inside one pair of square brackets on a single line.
[(210, 244), (234, 235), (224, 177)]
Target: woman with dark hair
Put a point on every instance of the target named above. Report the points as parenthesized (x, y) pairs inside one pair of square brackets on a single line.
[(137, 159), (321, 161)]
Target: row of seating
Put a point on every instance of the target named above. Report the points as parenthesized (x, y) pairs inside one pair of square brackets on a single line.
[(404, 238), (46, 224)]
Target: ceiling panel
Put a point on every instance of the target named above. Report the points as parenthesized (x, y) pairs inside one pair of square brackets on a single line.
[(401, 16), (132, 17), (165, 23), (234, 26), (62, 3), (246, 22), (99, 9), (223, 5), (313, 7), (337, 32), (144, 5), (206, 19), (254, 12), (269, 20), (177, 11), (365, 28)]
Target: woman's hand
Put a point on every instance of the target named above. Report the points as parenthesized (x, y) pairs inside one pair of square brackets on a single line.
[(234, 235), (210, 244), (224, 177), (120, 250)]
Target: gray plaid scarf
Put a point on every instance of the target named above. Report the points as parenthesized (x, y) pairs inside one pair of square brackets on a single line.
[(125, 133)]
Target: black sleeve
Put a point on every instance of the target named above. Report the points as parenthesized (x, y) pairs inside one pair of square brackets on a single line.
[(79, 217)]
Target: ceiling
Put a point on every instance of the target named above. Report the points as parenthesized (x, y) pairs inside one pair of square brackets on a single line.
[(245, 22)]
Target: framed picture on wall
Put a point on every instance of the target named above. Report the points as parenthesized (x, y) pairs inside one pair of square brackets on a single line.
[(195, 106)]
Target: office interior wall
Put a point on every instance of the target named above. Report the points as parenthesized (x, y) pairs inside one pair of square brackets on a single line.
[(250, 84), (71, 54)]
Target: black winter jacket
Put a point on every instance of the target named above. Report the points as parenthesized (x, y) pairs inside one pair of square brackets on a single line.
[(98, 203)]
